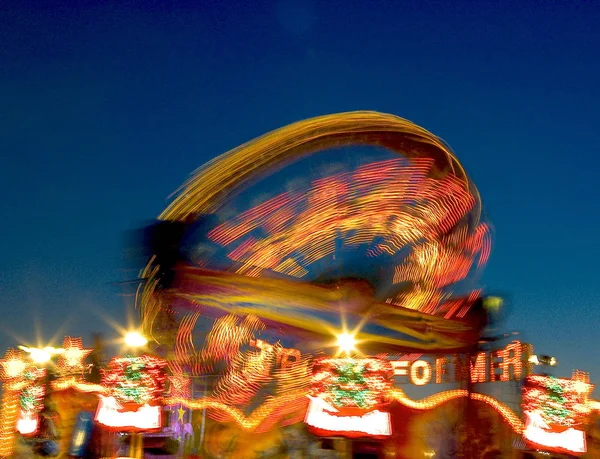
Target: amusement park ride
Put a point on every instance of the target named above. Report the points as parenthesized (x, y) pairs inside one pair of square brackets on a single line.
[(311, 274)]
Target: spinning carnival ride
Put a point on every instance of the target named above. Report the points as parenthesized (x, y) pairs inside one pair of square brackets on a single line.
[(301, 277), (359, 223)]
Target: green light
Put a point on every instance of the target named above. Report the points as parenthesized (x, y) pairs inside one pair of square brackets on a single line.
[(493, 303)]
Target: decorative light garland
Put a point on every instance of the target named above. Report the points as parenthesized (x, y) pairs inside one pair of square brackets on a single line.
[(561, 395), (135, 388)]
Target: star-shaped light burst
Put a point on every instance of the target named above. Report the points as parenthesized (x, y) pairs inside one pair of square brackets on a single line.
[(71, 360), (13, 365)]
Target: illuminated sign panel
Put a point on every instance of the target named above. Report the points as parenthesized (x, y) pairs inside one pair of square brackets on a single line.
[(135, 386), (112, 414), (347, 396), (329, 420), (539, 434), (555, 411), (507, 364)]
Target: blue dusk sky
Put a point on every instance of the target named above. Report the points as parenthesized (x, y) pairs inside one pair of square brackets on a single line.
[(107, 107)]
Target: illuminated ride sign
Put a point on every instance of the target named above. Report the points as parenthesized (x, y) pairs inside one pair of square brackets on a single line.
[(506, 364), (555, 411), (347, 397)]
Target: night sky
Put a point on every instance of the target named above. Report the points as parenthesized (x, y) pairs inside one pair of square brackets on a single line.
[(106, 109)]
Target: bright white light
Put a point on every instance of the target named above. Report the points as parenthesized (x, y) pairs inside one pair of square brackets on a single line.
[(550, 361), (372, 423), (41, 355), (14, 367), (110, 414), (135, 339), (346, 342), (538, 432), (27, 424)]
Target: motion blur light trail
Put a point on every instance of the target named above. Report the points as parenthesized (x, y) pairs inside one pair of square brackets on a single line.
[(384, 207), (203, 193), (259, 419), (312, 312), (416, 216), (289, 238)]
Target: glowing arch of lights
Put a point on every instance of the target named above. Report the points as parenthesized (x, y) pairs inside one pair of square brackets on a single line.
[(204, 192)]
